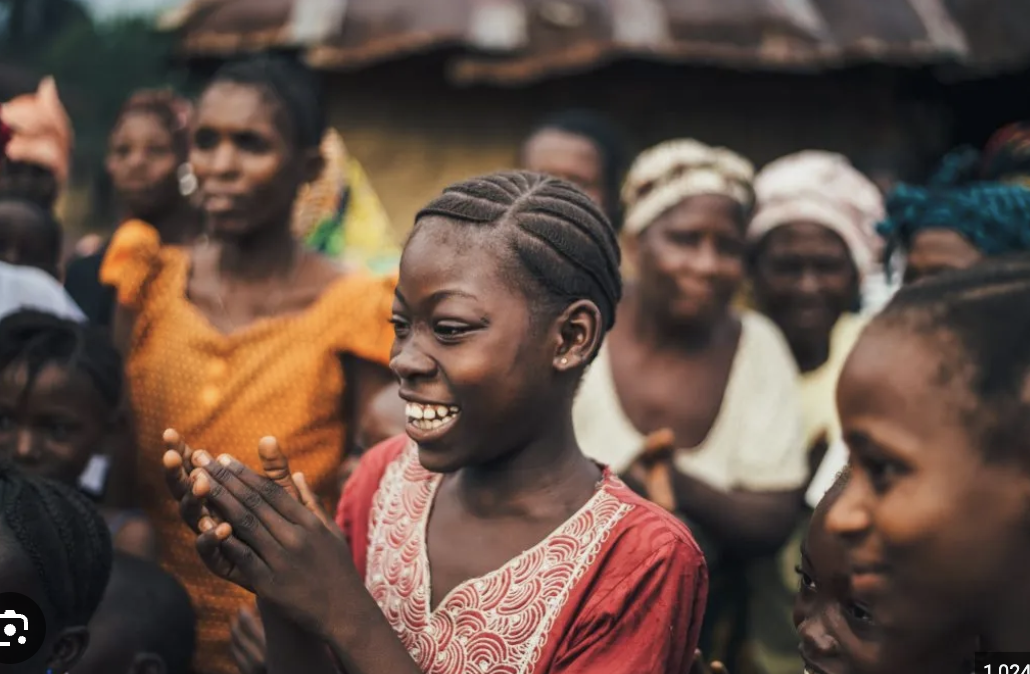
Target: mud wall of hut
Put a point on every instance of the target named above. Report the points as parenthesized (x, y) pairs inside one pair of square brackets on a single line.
[(415, 133)]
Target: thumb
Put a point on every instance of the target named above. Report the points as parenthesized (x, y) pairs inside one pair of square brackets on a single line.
[(275, 465)]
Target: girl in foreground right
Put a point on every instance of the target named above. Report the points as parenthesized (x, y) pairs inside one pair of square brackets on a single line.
[(935, 407), (487, 542)]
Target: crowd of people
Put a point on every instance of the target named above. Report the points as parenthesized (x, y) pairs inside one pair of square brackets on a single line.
[(599, 413)]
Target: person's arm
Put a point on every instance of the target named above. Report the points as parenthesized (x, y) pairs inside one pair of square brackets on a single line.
[(750, 523)]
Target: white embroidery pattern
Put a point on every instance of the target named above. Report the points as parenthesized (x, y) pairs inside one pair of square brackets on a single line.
[(497, 623)]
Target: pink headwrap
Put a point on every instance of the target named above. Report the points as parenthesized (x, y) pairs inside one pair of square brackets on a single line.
[(821, 187), (41, 132)]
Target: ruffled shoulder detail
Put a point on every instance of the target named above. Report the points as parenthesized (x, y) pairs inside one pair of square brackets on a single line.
[(133, 258)]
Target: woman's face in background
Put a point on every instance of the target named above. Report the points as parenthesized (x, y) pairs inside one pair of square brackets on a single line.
[(143, 164), (804, 279), (934, 251), (691, 260), (568, 156)]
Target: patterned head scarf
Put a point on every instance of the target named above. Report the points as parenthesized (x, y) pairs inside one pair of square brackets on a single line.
[(340, 214), (993, 216), (824, 188), (665, 175), (41, 131)]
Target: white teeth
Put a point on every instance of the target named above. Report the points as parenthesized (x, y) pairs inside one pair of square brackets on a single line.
[(428, 417)]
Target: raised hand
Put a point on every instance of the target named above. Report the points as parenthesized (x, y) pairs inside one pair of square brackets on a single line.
[(178, 464), (280, 548)]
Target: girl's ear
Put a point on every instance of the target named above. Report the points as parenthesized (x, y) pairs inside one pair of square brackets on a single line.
[(580, 331), (68, 649)]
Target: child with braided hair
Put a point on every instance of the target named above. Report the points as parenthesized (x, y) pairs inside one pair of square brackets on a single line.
[(63, 410), (484, 540), (55, 550)]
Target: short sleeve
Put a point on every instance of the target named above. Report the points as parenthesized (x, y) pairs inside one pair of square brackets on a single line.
[(354, 510), (773, 454), (660, 604), (133, 258), (369, 305)]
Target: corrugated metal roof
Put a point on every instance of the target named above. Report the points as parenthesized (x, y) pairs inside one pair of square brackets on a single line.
[(517, 41)]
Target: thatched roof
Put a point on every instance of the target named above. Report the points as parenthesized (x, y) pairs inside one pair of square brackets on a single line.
[(518, 41)]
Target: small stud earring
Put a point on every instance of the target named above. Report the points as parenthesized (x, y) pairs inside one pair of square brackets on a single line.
[(564, 361)]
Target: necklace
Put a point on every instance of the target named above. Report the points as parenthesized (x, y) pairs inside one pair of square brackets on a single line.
[(275, 298)]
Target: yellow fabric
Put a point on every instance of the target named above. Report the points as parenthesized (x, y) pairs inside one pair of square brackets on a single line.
[(280, 376), (356, 230), (819, 387)]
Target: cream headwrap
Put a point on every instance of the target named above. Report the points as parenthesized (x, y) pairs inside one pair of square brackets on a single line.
[(668, 173), (824, 188)]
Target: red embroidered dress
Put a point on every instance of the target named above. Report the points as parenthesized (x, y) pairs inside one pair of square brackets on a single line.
[(619, 588)]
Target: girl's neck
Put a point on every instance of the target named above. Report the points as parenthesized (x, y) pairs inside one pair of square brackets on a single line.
[(550, 472), (271, 251), (652, 330)]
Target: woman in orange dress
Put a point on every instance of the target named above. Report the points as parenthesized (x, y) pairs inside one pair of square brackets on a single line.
[(248, 333)]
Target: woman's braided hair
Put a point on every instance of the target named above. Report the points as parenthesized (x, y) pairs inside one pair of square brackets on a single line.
[(63, 536), (980, 315), (559, 235)]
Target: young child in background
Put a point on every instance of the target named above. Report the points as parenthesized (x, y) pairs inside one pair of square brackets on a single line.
[(55, 550), (839, 634), (29, 236), (61, 403), (145, 623)]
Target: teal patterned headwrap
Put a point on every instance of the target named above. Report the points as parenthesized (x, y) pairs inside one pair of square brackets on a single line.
[(993, 216)]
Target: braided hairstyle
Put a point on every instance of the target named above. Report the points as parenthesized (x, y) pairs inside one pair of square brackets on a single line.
[(171, 110), (979, 318), (63, 536), (36, 339), (567, 248), (610, 143), (291, 86)]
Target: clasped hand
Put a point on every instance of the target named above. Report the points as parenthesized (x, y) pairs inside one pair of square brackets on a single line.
[(266, 533)]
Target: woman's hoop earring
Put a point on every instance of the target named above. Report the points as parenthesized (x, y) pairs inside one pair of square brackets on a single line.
[(187, 179)]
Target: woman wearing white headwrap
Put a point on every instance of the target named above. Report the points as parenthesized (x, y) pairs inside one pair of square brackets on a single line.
[(681, 358), (814, 247)]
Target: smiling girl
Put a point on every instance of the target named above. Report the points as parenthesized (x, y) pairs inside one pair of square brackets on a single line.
[(485, 541), (933, 404)]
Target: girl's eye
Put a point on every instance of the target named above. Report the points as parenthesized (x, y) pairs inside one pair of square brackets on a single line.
[(400, 326), (60, 432), (451, 330), (804, 580), (205, 139), (881, 473), (858, 612)]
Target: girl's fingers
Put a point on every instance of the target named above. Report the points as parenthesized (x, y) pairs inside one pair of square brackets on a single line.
[(719, 668), (275, 465), (310, 501)]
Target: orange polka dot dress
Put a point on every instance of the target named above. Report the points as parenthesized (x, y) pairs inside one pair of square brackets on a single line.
[(280, 376)]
